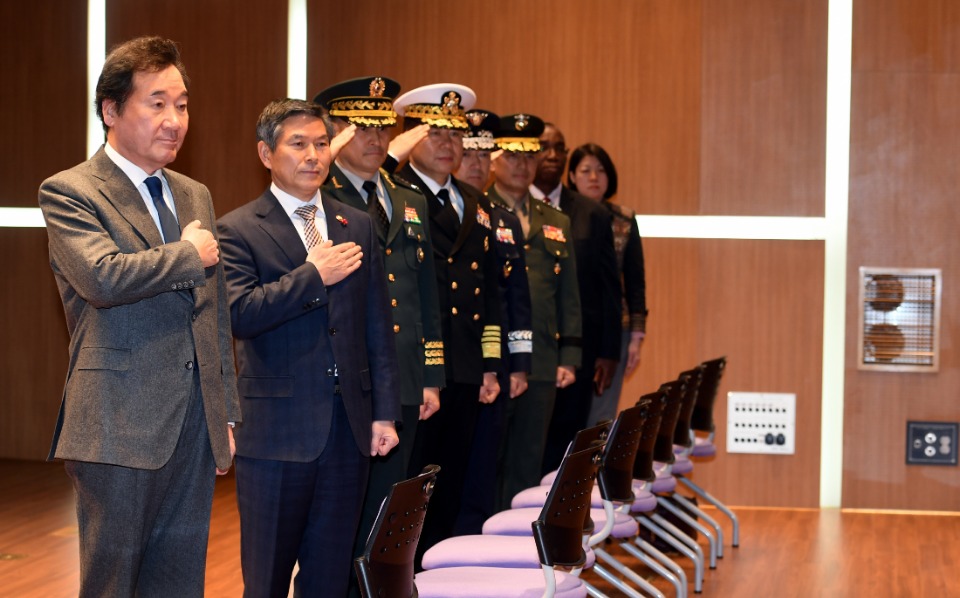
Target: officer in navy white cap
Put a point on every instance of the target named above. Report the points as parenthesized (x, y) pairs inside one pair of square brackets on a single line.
[(467, 281)]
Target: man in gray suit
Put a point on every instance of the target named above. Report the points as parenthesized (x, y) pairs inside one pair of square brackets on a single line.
[(151, 388)]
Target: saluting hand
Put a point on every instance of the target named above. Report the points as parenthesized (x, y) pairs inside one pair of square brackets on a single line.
[(335, 262)]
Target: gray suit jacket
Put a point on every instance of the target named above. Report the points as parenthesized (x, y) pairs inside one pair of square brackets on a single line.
[(142, 315)]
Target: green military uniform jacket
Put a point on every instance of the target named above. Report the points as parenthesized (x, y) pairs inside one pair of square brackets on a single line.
[(554, 291), (411, 282)]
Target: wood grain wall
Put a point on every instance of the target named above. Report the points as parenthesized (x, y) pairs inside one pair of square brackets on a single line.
[(706, 107), (905, 139)]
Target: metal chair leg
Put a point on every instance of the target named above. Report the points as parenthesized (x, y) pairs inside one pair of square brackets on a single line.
[(623, 587), (695, 510), (692, 552), (686, 518), (651, 557), (713, 501)]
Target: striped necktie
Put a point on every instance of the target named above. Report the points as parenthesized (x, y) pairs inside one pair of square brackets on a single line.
[(308, 214)]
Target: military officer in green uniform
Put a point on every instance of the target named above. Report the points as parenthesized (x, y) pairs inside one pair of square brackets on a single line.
[(555, 299), (399, 213)]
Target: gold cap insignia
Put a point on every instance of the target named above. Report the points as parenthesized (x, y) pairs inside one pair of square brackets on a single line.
[(451, 103), (377, 87), (476, 118), (521, 122)]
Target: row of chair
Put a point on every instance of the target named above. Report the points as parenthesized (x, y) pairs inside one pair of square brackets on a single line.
[(608, 486)]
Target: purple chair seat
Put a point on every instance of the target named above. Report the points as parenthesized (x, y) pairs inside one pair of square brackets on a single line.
[(516, 552), (644, 501), (682, 466), (547, 480), (531, 497), (486, 582), (624, 526), (665, 481), (703, 448), (512, 522)]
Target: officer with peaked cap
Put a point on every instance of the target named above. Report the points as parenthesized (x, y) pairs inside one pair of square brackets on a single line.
[(479, 494), (401, 214), (462, 234), (552, 276)]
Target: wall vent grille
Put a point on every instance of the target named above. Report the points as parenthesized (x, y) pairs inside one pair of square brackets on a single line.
[(899, 319)]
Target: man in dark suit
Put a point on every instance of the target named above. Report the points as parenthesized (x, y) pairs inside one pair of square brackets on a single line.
[(318, 375), (403, 232), (462, 236), (555, 297), (151, 386), (600, 295)]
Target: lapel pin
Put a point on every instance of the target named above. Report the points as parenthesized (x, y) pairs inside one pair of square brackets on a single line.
[(341, 220)]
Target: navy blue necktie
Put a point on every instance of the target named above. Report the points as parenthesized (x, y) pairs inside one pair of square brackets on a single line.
[(375, 208), (168, 222)]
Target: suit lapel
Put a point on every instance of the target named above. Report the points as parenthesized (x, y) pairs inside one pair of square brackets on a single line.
[(184, 203), (337, 223), (118, 189), (469, 218), (276, 224), (399, 209)]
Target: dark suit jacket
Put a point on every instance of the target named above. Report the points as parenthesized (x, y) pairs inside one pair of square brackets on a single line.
[(598, 276), (411, 283), (467, 284), (291, 329), (141, 316)]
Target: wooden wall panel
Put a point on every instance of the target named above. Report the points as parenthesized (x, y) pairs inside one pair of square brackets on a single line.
[(33, 354), (760, 304), (622, 73), (764, 108), (904, 142), (43, 61), (235, 54), (906, 36), (44, 108)]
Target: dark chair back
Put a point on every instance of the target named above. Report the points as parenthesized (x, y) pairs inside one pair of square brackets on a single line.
[(653, 413), (386, 566), (559, 528), (585, 438), (620, 452), (702, 419), (663, 448), (681, 434)]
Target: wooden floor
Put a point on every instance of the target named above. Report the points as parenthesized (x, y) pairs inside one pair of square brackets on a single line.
[(783, 553)]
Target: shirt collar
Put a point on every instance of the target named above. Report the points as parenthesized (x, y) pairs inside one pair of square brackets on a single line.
[(430, 183), (136, 174), (291, 203), (553, 197), (358, 182)]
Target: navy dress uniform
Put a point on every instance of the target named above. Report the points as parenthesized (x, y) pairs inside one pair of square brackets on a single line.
[(410, 273), (479, 494), (462, 236), (552, 276)]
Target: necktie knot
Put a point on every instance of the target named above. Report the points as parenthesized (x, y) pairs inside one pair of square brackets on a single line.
[(155, 188), (308, 213)]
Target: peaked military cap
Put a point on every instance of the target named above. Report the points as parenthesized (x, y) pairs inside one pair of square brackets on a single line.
[(519, 133), (441, 105), (482, 125), (365, 101)]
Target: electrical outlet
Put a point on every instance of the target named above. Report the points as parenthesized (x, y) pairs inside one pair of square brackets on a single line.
[(761, 422), (932, 443)]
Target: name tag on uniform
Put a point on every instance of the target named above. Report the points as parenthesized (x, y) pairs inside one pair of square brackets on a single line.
[(554, 233), (483, 218), (505, 235), (410, 215)]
